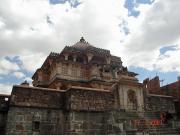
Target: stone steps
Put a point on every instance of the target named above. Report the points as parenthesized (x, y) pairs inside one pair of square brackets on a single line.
[(161, 131), (164, 129), (131, 126), (169, 131)]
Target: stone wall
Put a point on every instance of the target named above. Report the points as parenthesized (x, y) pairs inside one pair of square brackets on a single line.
[(26, 96), (89, 100), (160, 103), (34, 121), (85, 123), (35, 111), (38, 121), (41, 111), (172, 89), (153, 85), (77, 111), (117, 122), (3, 118)]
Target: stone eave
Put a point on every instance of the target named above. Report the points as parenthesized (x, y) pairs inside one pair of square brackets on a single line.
[(87, 89), (38, 88), (56, 77), (36, 107), (132, 73), (155, 95), (80, 81), (5, 95), (103, 81), (129, 82)]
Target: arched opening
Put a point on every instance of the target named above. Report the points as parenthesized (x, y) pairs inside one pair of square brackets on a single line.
[(132, 100), (80, 59), (70, 58)]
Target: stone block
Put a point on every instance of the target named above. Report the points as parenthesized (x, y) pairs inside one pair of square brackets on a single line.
[(19, 127), (28, 126), (28, 118), (19, 118)]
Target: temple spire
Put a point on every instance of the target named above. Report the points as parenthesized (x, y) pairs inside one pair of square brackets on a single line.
[(82, 39)]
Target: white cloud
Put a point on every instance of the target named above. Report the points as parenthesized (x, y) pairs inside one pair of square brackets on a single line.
[(29, 80), (169, 61), (156, 27), (32, 61), (5, 88), (24, 30), (6, 66), (19, 75)]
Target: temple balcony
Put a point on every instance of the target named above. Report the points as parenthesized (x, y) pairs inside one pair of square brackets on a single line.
[(107, 76), (69, 77)]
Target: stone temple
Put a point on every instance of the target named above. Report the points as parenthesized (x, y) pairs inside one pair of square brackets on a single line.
[(85, 90)]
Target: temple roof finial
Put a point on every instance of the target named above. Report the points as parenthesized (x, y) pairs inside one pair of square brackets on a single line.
[(25, 83), (82, 39)]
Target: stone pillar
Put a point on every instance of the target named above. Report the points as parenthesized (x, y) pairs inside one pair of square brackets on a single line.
[(108, 60), (140, 99), (66, 56), (74, 58), (89, 55), (116, 75)]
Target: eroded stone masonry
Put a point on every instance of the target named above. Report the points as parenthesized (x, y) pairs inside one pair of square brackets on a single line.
[(85, 90)]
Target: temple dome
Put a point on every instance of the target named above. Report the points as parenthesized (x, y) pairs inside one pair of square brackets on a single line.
[(82, 44)]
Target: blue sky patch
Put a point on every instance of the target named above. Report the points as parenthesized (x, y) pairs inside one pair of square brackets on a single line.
[(73, 3), (145, 1), (14, 59), (163, 50), (10, 78), (57, 1), (168, 77), (132, 4)]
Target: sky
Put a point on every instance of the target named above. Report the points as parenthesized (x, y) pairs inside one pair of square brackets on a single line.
[(144, 33)]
